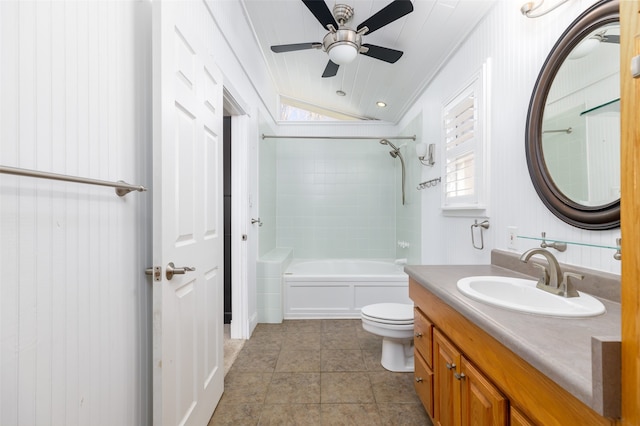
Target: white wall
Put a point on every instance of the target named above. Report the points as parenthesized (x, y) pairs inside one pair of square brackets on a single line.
[(517, 47), (75, 98), (74, 301)]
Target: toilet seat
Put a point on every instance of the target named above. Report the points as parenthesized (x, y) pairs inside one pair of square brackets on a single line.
[(389, 313)]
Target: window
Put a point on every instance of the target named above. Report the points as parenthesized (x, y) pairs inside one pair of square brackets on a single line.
[(292, 113), (464, 120), (294, 110)]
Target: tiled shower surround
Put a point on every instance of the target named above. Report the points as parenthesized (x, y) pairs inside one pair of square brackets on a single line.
[(336, 198), (340, 198)]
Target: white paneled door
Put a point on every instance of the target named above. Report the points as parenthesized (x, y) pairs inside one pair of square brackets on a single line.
[(188, 370)]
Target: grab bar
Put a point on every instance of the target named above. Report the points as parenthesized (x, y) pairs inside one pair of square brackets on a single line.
[(122, 188)]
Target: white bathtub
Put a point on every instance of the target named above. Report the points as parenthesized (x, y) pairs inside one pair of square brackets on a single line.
[(339, 288)]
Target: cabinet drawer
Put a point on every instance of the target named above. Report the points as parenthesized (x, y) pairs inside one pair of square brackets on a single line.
[(423, 381), (423, 332)]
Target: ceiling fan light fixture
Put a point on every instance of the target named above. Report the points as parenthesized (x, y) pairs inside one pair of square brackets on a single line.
[(343, 43), (586, 47), (343, 53)]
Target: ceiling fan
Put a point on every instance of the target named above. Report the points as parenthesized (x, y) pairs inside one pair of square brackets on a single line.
[(342, 43)]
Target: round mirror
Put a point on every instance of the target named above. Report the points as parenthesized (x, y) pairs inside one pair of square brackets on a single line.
[(573, 123)]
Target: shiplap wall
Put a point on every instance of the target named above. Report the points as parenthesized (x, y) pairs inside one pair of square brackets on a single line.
[(74, 301), (517, 47)]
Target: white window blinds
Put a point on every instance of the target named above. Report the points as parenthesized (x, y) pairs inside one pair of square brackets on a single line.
[(464, 145)]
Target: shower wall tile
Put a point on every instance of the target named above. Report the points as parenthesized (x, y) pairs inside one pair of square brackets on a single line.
[(408, 216), (269, 293), (267, 196), (336, 198)]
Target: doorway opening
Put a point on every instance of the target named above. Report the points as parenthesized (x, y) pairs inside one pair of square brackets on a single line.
[(226, 153)]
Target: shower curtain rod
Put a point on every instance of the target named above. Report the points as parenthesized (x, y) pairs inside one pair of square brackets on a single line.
[(413, 137)]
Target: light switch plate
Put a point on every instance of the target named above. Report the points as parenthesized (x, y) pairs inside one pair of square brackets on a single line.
[(512, 237)]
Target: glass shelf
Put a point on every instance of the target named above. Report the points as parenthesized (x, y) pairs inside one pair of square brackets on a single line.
[(551, 240), (611, 106)]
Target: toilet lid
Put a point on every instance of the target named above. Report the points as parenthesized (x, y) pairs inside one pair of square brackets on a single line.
[(398, 313)]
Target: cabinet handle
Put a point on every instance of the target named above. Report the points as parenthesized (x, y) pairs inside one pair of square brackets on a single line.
[(418, 334), (459, 376), (419, 379), (450, 366)]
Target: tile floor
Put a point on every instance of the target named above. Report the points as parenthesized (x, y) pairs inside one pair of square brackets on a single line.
[(232, 348), (316, 372)]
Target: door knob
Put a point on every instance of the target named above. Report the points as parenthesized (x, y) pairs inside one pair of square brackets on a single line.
[(258, 221), (173, 270)]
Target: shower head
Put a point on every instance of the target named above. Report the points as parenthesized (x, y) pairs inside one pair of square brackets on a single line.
[(395, 153), (386, 142)]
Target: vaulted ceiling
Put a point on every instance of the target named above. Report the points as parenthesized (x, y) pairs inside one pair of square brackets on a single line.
[(427, 36)]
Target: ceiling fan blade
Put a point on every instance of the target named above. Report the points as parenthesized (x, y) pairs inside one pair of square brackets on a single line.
[(611, 39), (293, 47), (382, 53), (330, 70), (394, 10), (321, 11)]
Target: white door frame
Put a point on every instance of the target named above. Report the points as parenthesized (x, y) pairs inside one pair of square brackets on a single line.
[(240, 123)]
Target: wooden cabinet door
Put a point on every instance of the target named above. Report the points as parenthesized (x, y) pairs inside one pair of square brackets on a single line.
[(516, 418), (446, 388), (482, 403)]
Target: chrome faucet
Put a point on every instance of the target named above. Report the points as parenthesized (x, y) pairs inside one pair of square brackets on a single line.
[(553, 280)]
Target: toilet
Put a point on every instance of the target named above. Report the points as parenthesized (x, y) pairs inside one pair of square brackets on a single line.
[(394, 323)]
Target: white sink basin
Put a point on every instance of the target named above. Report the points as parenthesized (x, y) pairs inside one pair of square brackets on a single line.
[(522, 295)]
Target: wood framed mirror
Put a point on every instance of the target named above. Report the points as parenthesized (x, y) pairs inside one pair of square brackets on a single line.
[(572, 139)]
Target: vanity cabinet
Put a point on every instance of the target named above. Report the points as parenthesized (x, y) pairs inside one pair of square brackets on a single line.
[(462, 394), (482, 402), (466, 377), (423, 360), (519, 419), (452, 390)]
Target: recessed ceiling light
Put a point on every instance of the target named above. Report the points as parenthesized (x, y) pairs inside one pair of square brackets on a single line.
[(381, 104), (340, 93)]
